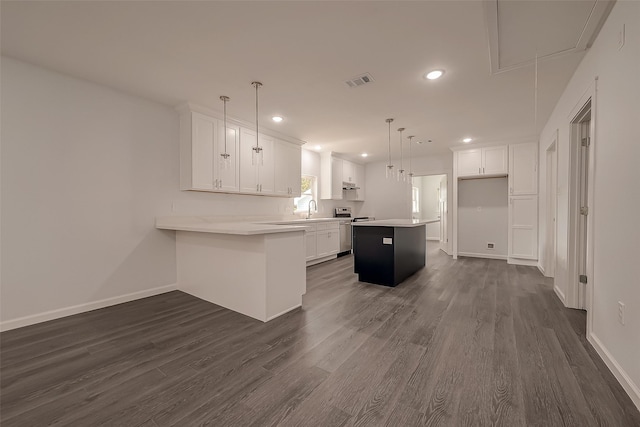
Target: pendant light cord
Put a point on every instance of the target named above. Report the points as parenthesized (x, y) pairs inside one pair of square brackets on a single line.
[(389, 123)]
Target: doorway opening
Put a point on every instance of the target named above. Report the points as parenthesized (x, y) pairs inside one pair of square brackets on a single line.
[(551, 213), (429, 203)]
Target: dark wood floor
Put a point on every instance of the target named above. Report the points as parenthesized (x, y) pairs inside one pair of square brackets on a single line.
[(462, 343)]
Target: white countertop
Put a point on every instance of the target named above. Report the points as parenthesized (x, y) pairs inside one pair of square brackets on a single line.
[(393, 223), (205, 224)]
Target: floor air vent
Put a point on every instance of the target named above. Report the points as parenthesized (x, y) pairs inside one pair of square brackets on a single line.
[(360, 80)]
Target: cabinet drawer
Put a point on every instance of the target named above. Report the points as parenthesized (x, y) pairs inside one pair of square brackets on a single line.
[(322, 226)]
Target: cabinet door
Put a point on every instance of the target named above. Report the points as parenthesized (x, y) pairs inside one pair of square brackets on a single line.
[(248, 171), (203, 139), (311, 239), (295, 170), (523, 227), (495, 160), (348, 172), (328, 242), (360, 182), (266, 171), (523, 169), (336, 178), (228, 175), (287, 169), (470, 162)]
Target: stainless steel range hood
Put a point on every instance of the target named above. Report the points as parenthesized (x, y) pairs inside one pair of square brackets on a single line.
[(349, 186)]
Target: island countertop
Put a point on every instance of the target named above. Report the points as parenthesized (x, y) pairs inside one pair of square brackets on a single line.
[(205, 225), (394, 223)]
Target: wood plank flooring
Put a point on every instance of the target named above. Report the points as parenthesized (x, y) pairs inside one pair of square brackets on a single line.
[(469, 342)]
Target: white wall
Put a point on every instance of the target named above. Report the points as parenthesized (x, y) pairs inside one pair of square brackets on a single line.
[(616, 201), (85, 171), (389, 199), (483, 216)]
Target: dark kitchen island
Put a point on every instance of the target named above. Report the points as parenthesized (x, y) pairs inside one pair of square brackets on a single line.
[(388, 251)]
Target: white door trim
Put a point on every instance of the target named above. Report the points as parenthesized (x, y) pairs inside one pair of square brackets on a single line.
[(573, 294), (551, 214)]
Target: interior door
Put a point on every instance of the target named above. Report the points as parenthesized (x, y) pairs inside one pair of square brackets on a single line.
[(444, 238), (583, 211)]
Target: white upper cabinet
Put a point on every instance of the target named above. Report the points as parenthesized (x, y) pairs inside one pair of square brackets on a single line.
[(523, 169), (334, 172), (469, 162), (201, 143), (360, 182), (348, 172), (228, 174), (288, 169), (256, 178), (486, 161), (248, 171), (202, 164), (495, 160)]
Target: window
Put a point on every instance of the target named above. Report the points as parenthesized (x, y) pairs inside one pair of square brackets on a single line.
[(309, 191), (415, 199)]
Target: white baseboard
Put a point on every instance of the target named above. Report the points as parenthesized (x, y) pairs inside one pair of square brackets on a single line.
[(520, 261), (560, 295), (625, 381), (486, 256), (541, 270), (82, 308), (319, 260), (283, 312)]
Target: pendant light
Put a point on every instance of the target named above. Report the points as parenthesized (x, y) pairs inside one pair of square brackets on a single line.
[(389, 171), (410, 168), (401, 175), (225, 158), (256, 154)]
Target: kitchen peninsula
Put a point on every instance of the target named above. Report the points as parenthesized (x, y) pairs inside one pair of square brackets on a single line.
[(256, 269), (386, 252)]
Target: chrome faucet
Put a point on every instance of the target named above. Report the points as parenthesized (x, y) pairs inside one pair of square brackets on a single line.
[(315, 205)]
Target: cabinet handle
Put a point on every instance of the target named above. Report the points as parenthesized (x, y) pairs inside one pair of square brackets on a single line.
[(257, 187), (215, 184), (261, 188), (479, 171), (220, 184), (482, 170)]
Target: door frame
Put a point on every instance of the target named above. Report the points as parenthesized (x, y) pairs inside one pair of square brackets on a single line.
[(551, 214), (586, 105), (419, 174)]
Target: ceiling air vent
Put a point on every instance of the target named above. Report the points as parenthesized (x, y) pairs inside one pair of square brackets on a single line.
[(360, 80)]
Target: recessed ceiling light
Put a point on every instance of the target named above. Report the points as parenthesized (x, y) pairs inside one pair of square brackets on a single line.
[(435, 74), (364, 154), (317, 147), (276, 119), (467, 140)]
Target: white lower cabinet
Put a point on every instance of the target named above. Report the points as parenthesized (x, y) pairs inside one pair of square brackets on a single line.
[(523, 227), (327, 239), (311, 240)]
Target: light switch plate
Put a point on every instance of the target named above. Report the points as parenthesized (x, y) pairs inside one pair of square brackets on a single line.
[(387, 241)]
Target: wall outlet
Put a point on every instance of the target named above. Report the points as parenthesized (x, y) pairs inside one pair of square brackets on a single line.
[(490, 245), (621, 312)]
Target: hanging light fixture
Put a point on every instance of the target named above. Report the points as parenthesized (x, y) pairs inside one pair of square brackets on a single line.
[(225, 158), (401, 172), (389, 171), (410, 168), (256, 154)]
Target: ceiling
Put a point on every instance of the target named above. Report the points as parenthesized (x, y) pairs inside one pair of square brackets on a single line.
[(303, 52)]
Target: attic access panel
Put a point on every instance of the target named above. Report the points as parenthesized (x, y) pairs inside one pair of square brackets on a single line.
[(520, 30)]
